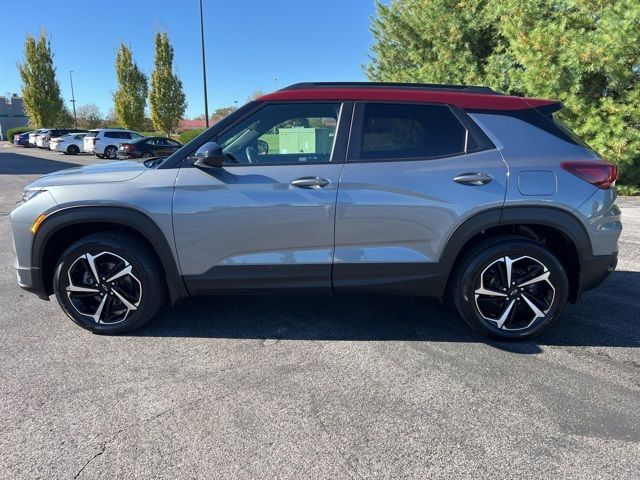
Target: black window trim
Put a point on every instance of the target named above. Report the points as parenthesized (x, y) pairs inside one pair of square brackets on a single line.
[(338, 151), (357, 131)]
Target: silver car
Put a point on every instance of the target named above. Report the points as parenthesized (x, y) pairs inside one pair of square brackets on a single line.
[(484, 200)]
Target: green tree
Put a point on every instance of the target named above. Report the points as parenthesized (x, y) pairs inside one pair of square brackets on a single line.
[(131, 97), (166, 98), (40, 89), (585, 53)]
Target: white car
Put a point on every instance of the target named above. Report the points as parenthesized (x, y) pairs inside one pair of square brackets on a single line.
[(70, 143), (43, 139), (105, 141), (33, 136)]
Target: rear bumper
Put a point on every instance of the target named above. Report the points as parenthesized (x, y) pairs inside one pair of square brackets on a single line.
[(595, 269)]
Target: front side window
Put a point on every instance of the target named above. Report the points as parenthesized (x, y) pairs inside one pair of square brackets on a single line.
[(283, 134), (403, 131)]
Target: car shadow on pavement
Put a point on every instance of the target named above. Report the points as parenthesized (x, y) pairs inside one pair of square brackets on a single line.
[(20, 164), (607, 316)]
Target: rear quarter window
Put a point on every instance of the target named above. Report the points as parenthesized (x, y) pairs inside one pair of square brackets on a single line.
[(404, 131)]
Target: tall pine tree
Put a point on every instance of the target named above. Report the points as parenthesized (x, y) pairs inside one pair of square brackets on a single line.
[(131, 97), (585, 53), (40, 89), (166, 98)]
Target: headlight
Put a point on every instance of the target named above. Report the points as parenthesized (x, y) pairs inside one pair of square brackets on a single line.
[(30, 193)]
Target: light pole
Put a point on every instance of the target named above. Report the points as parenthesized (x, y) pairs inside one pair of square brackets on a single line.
[(73, 100), (204, 69)]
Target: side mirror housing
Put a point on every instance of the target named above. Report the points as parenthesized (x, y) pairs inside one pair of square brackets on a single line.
[(209, 155)]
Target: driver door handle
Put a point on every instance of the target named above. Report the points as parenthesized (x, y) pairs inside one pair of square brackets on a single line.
[(310, 182), (473, 178)]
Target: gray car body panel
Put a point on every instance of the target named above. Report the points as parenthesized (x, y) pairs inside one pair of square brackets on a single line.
[(245, 228)]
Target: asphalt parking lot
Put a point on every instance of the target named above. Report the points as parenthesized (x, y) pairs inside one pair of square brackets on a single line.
[(315, 387)]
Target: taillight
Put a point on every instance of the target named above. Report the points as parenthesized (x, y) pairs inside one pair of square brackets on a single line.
[(601, 174)]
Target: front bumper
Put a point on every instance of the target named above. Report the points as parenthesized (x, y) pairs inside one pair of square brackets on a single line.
[(22, 217), (30, 280)]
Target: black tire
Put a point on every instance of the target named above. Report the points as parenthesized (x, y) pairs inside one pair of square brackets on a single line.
[(147, 155), (112, 252), (99, 156), (111, 152), (485, 266), (73, 150)]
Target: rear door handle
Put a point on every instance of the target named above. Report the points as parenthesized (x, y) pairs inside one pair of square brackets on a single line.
[(310, 182), (473, 178)]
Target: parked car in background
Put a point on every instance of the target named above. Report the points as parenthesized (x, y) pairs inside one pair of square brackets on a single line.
[(70, 143), (104, 142), (45, 137), (21, 139), (148, 147), (33, 136)]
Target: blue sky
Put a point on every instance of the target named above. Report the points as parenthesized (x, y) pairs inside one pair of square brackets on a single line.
[(248, 42)]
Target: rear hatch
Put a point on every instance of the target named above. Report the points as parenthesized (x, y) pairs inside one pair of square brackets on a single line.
[(89, 140)]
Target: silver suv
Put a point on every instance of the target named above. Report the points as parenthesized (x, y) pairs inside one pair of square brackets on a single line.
[(461, 193)]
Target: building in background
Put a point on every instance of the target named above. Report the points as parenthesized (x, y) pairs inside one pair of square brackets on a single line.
[(12, 114)]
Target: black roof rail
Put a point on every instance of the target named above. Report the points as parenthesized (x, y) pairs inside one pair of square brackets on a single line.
[(417, 86)]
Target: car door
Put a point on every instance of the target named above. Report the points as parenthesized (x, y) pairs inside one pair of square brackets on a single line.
[(265, 220), (413, 174)]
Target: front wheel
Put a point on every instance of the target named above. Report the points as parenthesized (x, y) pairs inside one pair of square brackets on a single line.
[(109, 283), (510, 289)]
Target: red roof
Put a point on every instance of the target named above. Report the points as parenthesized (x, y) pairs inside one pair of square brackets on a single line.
[(458, 98)]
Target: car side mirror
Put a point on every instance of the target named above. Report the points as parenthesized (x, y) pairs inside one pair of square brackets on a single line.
[(209, 155), (263, 147)]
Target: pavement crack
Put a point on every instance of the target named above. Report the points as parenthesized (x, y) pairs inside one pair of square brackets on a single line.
[(103, 447)]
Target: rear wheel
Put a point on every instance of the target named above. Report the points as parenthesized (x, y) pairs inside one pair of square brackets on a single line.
[(73, 150), (510, 289), (111, 152), (109, 283)]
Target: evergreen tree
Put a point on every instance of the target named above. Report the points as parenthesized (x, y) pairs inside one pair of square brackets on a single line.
[(40, 89), (166, 98), (131, 97), (584, 53)]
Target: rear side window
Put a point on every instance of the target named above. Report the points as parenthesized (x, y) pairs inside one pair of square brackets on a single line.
[(401, 131)]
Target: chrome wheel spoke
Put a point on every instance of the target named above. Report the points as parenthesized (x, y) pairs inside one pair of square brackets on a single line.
[(126, 302), (538, 313), (92, 265), (539, 278), (490, 293), (77, 289), (125, 271), (505, 315), (96, 316), (508, 263)]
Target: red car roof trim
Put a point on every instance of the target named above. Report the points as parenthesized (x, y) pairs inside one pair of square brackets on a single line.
[(459, 99)]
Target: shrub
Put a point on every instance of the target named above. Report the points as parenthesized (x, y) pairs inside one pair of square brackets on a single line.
[(629, 190), (17, 130), (188, 135)]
